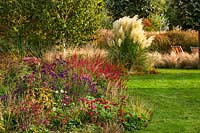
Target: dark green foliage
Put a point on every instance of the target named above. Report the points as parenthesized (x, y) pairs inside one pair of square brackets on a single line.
[(120, 8), (160, 6), (143, 8), (185, 13), (36, 25)]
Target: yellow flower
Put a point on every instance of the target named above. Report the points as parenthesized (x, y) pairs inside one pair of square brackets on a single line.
[(119, 42), (15, 29)]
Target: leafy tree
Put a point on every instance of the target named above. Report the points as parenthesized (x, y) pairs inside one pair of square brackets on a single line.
[(120, 8), (185, 13), (35, 25), (154, 10), (159, 6)]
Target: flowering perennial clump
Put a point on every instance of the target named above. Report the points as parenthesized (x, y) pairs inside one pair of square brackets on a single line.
[(67, 95)]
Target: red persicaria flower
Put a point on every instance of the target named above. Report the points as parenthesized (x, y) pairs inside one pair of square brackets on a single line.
[(121, 120), (114, 104), (98, 99), (23, 109), (104, 102), (93, 101), (65, 102), (121, 112), (123, 97), (106, 107), (83, 109), (31, 60), (93, 107), (90, 113), (45, 122), (45, 84), (88, 102)]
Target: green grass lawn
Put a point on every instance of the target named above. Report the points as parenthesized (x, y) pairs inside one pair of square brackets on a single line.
[(174, 96)]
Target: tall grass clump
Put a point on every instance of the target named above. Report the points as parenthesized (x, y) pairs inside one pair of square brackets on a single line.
[(86, 51), (129, 44), (173, 60)]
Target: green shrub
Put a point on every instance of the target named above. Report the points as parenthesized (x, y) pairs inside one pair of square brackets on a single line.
[(130, 42), (34, 26), (163, 41), (120, 8), (158, 22), (157, 16)]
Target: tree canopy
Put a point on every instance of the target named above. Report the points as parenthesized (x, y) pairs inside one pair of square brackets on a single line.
[(120, 8), (33, 25), (185, 13)]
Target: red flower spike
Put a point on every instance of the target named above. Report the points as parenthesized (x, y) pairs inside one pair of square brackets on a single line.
[(106, 107)]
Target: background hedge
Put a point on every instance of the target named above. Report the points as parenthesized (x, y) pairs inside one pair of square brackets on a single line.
[(163, 41)]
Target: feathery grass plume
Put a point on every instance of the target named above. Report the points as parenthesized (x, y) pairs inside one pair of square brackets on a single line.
[(87, 51), (170, 60), (133, 29), (163, 60), (154, 58), (187, 61), (130, 42)]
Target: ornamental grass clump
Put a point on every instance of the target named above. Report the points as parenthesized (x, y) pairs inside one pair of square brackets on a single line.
[(129, 43), (173, 60)]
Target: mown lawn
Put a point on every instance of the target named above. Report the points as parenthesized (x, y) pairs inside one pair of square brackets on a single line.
[(174, 96)]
